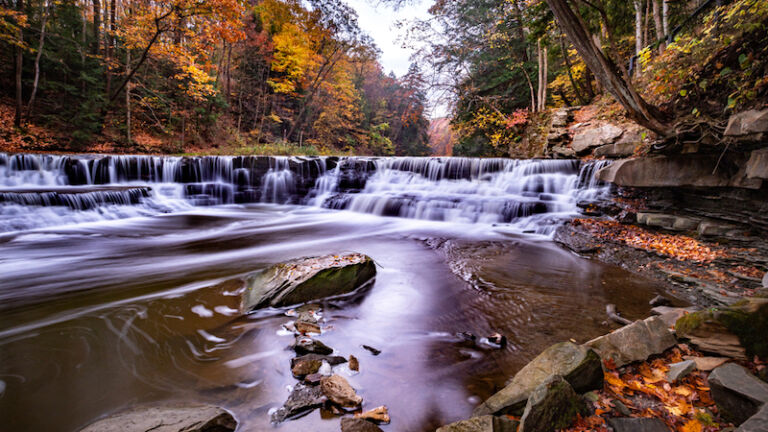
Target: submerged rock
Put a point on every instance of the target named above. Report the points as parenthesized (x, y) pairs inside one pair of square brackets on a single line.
[(338, 391), (349, 424), (634, 342), (303, 398), (486, 423), (553, 405), (737, 393), (307, 279), (167, 418), (579, 365)]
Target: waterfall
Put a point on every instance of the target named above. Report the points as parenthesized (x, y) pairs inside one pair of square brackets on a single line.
[(534, 195)]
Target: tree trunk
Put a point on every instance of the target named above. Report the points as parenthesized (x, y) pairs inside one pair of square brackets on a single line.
[(96, 26), (647, 22), (540, 79), (657, 22), (607, 72), (638, 26), (128, 95), (19, 67), (545, 79), (665, 17), (44, 20), (567, 62), (110, 45)]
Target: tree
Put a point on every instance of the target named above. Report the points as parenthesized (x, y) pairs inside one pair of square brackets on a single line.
[(607, 73)]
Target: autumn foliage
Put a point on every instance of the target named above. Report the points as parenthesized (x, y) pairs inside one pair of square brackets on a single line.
[(684, 406), (680, 247)]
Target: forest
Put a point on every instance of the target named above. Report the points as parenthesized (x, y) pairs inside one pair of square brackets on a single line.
[(280, 76), (195, 75)]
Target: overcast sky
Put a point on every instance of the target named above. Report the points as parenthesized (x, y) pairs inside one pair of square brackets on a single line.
[(379, 22)]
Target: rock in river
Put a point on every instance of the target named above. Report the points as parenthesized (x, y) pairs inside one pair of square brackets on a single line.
[(167, 418), (338, 391), (307, 345), (307, 279), (358, 425), (303, 398), (579, 365)]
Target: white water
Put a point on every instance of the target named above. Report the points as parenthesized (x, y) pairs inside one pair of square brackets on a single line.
[(530, 195)]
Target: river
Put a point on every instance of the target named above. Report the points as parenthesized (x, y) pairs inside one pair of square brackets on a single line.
[(121, 280)]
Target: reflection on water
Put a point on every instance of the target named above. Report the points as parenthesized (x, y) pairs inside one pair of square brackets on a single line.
[(99, 316)]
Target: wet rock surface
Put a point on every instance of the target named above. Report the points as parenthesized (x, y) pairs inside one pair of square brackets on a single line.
[(580, 366), (337, 390), (349, 424), (167, 418), (303, 398), (307, 279), (379, 415)]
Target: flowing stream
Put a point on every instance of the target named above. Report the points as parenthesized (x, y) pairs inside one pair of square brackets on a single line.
[(120, 280)]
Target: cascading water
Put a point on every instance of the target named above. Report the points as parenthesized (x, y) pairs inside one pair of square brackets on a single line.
[(533, 195)]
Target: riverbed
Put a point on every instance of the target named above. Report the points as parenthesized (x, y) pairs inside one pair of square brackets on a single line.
[(103, 313)]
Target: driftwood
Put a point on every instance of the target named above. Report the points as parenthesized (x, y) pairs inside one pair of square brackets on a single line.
[(610, 309)]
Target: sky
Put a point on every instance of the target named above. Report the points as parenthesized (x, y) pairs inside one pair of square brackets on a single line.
[(379, 22)]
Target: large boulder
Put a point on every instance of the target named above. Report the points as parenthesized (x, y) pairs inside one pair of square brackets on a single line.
[(552, 406), (486, 423), (617, 150), (757, 165), (737, 393), (677, 171), (167, 418), (756, 423), (634, 342), (750, 124), (736, 331), (579, 365), (588, 138), (307, 279)]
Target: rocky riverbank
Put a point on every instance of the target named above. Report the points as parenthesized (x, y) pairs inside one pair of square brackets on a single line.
[(692, 217), (678, 370)]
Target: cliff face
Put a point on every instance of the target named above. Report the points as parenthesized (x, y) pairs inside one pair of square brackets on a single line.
[(441, 137)]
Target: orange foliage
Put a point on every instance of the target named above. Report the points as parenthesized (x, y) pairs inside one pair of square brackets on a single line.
[(685, 405), (675, 246)]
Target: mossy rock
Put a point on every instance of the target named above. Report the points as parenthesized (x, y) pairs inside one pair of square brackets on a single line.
[(579, 365), (307, 279), (745, 323)]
